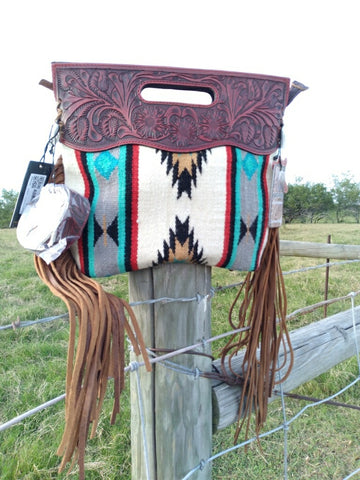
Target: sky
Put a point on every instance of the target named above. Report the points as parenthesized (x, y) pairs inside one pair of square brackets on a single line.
[(315, 42)]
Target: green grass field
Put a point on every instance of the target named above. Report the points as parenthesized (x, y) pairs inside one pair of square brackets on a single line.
[(323, 444)]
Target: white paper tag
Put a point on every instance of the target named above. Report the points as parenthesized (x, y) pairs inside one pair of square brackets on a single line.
[(278, 188), (36, 176), (34, 185)]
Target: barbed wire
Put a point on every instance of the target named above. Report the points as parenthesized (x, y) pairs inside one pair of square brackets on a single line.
[(196, 298), (30, 323), (163, 360), (287, 423), (196, 373)]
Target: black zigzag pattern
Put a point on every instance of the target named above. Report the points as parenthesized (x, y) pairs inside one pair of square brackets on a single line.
[(184, 168), (181, 246)]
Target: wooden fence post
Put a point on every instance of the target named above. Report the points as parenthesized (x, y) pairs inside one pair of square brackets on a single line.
[(177, 407)]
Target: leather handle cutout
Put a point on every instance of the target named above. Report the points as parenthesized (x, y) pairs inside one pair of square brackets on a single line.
[(169, 93)]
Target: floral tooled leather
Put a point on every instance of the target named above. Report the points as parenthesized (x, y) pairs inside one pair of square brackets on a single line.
[(102, 107)]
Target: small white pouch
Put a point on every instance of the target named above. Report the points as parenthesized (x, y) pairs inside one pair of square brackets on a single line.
[(53, 221)]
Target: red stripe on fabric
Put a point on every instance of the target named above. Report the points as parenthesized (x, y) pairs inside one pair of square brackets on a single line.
[(228, 207), (134, 208), (87, 195)]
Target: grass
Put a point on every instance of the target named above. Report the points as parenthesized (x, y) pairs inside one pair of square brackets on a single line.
[(323, 443)]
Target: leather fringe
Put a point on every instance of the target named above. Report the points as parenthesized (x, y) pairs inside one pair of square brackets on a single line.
[(99, 350), (263, 310), (95, 352)]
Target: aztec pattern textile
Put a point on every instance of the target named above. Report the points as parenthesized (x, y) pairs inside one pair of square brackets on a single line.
[(152, 206)]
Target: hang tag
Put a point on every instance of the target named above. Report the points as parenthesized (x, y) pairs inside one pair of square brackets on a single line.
[(36, 177), (278, 189)]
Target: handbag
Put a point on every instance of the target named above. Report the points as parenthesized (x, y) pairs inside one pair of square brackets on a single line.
[(169, 182)]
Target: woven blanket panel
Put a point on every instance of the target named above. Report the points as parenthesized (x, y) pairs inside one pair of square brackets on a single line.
[(150, 206)]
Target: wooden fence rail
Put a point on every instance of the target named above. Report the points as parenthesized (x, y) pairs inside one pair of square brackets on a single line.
[(319, 250), (317, 348)]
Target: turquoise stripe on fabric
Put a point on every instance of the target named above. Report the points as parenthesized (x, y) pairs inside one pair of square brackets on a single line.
[(237, 209), (122, 208), (260, 222), (91, 221)]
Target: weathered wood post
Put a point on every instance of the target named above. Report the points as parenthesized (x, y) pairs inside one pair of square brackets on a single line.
[(177, 407), (327, 273)]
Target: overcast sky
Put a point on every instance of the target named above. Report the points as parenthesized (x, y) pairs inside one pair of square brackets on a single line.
[(313, 41)]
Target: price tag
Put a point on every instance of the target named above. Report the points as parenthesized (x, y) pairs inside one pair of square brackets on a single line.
[(36, 177), (278, 188)]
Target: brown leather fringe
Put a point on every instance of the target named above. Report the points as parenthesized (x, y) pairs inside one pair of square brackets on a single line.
[(263, 310), (95, 351)]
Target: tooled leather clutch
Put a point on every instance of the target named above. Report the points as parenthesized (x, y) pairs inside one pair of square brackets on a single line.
[(103, 107)]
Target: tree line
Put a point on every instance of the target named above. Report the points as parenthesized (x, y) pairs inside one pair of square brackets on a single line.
[(7, 205), (314, 202), (304, 202)]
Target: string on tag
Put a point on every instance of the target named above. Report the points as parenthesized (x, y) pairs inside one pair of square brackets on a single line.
[(51, 143), (50, 148)]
